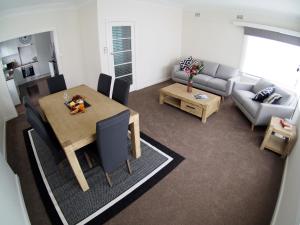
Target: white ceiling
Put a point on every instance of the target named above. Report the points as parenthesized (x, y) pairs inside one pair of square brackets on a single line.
[(15, 4), (279, 6)]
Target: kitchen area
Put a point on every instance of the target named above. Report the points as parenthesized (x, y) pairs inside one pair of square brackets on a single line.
[(27, 62)]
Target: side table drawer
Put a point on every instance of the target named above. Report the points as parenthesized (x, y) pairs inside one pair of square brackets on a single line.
[(190, 108)]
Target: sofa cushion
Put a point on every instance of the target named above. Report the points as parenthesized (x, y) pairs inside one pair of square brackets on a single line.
[(245, 99), (210, 68), (287, 98), (261, 84), (226, 72), (263, 94), (202, 79), (239, 95), (217, 83), (251, 106), (181, 75)]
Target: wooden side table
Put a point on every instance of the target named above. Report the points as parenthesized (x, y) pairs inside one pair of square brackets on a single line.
[(278, 139)]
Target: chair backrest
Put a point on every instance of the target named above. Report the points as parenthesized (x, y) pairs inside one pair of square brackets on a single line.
[(28, 104), (56, 84), (121, 91), (104, 83), (112, 142), (46, 134)]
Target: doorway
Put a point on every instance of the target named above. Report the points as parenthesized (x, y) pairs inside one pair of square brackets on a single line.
[(27, 62), (121, 51)]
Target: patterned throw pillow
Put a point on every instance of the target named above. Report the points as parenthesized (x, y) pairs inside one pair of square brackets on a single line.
[(263, 94), (273, 98), (186, 63)]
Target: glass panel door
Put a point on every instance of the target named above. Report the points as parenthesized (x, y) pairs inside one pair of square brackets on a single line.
[(122, 52)]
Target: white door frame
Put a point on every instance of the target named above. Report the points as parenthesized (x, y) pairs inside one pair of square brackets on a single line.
[(121, 22)]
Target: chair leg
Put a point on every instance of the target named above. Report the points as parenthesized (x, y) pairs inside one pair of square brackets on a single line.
[(88, 159), (129, 167), (108, 179)]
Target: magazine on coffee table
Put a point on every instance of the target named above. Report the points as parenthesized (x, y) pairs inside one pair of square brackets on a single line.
[(200, 96)]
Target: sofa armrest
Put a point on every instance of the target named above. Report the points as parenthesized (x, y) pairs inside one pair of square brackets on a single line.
[(176, 68), (230, 84), (243, 86), (266, 111)]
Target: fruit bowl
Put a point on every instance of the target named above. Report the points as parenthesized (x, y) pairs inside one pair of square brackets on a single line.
[(77, 104)]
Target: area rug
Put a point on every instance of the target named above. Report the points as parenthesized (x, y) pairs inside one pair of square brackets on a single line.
[(66, 203)]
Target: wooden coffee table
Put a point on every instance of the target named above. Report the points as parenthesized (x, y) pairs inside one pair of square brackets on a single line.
[(177, 95)]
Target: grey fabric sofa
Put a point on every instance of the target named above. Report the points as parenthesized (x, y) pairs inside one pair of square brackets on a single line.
[(261, 113), (215, 78)]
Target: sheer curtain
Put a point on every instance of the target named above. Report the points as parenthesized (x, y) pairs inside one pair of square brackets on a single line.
[(274, 60)]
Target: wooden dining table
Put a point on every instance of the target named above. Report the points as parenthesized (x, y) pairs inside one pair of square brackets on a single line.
[(76, 131)]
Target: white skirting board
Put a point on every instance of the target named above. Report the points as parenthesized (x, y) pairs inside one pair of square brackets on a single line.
[(22, 203)]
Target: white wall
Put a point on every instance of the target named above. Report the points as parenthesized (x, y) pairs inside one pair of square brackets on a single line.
[(88, 20), (287, 211), (212, 36), (158, 30), (12, 207)]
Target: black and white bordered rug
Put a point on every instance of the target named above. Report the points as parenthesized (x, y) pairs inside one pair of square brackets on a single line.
[(66, 203)]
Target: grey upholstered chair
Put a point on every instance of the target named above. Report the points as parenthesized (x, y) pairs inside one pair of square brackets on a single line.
[(56, 84), (104, 83), (46, 134), (112, 142), (261, 113), (121, 91)]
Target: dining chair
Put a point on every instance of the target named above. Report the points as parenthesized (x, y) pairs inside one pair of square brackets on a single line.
[(112, 143), (121, 91), (28, 104), (46, 134), (56, 84), (104, 83)]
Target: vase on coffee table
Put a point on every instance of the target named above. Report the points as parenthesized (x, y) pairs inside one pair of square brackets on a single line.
[(190, 86)]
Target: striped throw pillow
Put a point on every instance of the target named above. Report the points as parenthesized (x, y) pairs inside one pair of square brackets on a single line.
[(273, 98)]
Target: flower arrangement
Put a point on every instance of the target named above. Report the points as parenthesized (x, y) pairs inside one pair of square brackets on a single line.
[(193, 70)]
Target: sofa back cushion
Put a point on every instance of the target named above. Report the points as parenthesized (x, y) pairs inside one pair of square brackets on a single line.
[(226, 72), (261, 84), (210, 68), (287, 97)]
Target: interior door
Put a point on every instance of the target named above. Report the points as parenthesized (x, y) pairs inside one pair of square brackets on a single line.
[(121, 49)]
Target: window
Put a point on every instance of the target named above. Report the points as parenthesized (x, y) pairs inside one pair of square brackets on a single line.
[(274, 60)]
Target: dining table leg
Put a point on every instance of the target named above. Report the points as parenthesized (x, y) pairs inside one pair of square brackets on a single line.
[(135, 136), (72, 158)]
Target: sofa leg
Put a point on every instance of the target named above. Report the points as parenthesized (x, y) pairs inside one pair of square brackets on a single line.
[(252, 127), (222, 98)]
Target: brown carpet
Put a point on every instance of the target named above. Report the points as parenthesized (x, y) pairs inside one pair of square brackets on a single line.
[(225, 178)]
